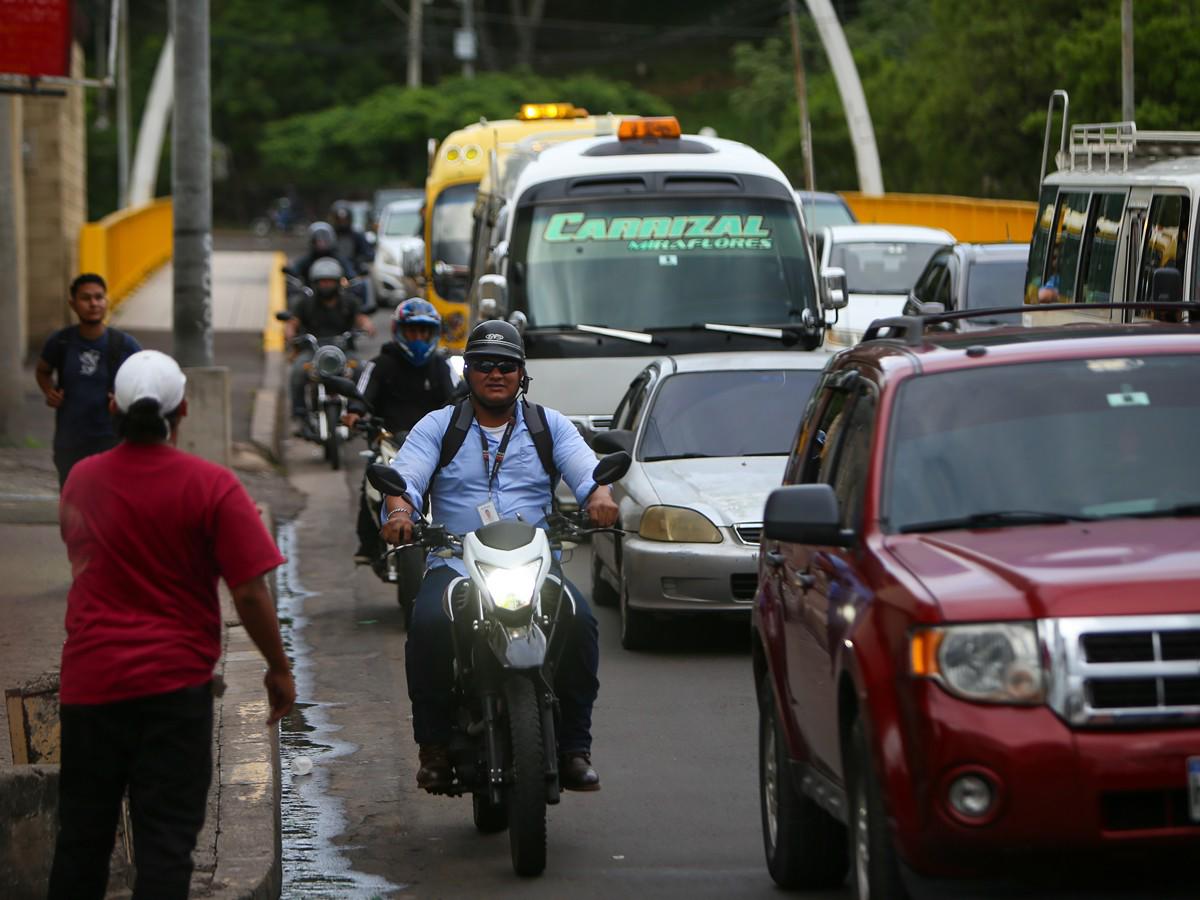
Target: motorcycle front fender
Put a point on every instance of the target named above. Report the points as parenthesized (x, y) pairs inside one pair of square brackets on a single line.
[(518, 648)]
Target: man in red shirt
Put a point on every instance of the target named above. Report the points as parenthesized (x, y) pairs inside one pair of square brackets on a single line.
[(149, 530)]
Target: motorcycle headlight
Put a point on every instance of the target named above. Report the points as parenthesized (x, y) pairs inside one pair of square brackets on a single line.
[(677, 524), (994, 663), (511, 589), (329, 360)]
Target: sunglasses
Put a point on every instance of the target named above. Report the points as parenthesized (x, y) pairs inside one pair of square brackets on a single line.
[(485, 367)]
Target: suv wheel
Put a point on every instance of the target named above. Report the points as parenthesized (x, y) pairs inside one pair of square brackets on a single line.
[(876, 870), (805, 846)]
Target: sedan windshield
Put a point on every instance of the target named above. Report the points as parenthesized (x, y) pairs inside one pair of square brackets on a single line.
[(1051, 442), (661, 262), (698, 414), (881, 267)]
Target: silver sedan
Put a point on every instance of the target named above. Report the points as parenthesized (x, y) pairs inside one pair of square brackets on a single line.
[(709, 434)]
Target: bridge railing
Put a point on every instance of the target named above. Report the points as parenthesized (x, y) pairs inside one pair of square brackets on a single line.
[(967, 218), (127, 246)]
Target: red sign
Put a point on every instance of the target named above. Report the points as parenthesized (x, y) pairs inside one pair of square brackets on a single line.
[(35, 37)]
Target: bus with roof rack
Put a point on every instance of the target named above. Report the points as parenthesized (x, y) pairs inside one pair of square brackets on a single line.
[(456, 166), (1116, 220), (613, 250)]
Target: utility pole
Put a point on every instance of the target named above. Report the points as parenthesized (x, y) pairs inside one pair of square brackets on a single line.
[(415, 14), (123, 106), (1127, 61), (12, 268), (191, 184), (464, 39), (801, 97)]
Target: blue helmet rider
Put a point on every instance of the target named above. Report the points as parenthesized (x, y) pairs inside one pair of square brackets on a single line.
[(416, 328)]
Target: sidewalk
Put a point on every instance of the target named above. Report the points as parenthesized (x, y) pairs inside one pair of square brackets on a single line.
[(238, 853)]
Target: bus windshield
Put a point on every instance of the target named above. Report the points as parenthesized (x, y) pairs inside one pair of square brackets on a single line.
[(451, 230), (660, 262)]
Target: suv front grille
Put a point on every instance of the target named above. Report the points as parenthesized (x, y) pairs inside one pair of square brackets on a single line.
[(1145, 810), (748, 532), (1122, 671)]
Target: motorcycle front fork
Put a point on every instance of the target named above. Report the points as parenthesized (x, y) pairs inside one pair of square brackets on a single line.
[(496, 751)]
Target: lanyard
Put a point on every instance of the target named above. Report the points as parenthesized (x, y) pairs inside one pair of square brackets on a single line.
[(495, 468)]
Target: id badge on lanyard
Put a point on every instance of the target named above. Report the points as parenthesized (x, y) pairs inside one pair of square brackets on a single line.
[(487, 511)]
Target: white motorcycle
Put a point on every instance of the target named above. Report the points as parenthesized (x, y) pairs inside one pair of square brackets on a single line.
[(509, 618)]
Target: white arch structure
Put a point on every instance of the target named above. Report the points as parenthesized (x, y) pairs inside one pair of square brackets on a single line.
[(854, 102)]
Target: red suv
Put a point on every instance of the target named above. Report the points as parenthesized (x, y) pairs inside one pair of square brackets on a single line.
[(977, 626)]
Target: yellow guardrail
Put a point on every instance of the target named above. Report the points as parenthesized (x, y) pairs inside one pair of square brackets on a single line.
[(274, 331), (127, 246), (967, 218)]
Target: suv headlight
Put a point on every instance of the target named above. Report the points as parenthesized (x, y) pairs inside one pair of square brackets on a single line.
[(992, 662), (677, 524), (511, 589)]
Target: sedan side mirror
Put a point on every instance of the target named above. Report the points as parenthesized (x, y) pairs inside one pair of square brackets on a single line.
[(386, 480), (612, 468), (613, 441), (833, 283), (805, 514)]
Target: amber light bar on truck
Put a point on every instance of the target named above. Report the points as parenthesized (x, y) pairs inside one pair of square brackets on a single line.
[(530, 112), (649, 127)]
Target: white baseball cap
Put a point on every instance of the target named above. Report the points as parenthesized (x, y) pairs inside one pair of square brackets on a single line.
[(149, 375)]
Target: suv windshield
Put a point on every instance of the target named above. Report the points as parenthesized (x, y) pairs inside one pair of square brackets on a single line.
[(1088, 438), (757, 412), (881, 267), (661, 262), (402, 222)]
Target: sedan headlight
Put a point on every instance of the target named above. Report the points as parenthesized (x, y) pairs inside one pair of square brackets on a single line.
[(511, 589), (678, 524), (994, 663)]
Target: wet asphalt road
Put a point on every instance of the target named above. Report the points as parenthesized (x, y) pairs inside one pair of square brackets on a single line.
[(675, 744)]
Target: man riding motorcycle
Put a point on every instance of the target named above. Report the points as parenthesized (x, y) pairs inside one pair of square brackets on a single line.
[(322, 244), (513, 482), (327, 312), (351, 245), (408, 379)]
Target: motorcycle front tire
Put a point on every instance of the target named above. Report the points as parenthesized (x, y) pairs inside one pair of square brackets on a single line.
[(526, 794), (333, 443)]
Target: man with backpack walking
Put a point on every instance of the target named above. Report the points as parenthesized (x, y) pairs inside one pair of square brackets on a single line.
[(76, 372), (525, 449)]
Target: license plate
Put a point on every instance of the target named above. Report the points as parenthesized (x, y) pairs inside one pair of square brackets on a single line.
[(1193, 770)]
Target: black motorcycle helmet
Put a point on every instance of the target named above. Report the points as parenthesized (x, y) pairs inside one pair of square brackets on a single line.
[(321, 239), (497, 339), (342, 220)]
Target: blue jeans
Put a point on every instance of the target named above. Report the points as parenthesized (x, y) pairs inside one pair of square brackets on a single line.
[(429, 656)]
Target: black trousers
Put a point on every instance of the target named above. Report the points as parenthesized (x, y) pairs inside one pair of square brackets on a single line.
[(66, 457), (160, 748)]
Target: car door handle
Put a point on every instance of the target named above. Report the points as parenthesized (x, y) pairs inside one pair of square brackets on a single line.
[(774, 558)]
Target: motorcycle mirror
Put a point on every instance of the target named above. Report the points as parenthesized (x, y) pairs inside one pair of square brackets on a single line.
[(342, 385), (283, 315), (612, 467), (386, 480)]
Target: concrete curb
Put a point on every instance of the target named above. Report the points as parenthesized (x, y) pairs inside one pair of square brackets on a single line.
[(29, 509), (247, 772), (266, 414)]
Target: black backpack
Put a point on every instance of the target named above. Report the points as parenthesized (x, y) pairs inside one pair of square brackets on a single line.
[(535, 421)]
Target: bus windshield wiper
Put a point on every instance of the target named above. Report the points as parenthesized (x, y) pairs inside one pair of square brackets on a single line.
[(786, 333), (997, 519), (621, 334), (1179, 509)]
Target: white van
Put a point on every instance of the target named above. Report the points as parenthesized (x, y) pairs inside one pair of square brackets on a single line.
[(1116, 222), (620, 249)]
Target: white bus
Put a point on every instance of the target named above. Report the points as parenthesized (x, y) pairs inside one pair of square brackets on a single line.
[(1116, 221), (614, 250)]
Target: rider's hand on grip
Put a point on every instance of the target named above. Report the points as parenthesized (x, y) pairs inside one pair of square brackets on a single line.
[(398, 529), (601, 509)]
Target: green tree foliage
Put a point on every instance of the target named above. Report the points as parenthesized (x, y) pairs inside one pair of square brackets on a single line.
[(958, 91), (381, 139)]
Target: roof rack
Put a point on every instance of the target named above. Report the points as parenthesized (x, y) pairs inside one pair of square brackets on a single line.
[(1113, 139), (910, 330)]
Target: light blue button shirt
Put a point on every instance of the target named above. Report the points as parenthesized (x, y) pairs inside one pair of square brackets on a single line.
[(522, 486)]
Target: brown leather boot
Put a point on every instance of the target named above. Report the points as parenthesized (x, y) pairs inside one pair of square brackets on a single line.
[(575, 772), (435, 773)]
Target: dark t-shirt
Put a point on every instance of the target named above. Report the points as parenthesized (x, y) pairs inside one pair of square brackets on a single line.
[(324, 321), (81, 367)]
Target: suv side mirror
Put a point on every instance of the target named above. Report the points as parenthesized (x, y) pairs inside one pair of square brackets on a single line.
[(805, 514), (833, 284), (1166, 286), (493, 296)]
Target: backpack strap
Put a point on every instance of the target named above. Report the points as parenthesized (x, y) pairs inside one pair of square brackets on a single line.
[(116, 345), (543, 439)]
